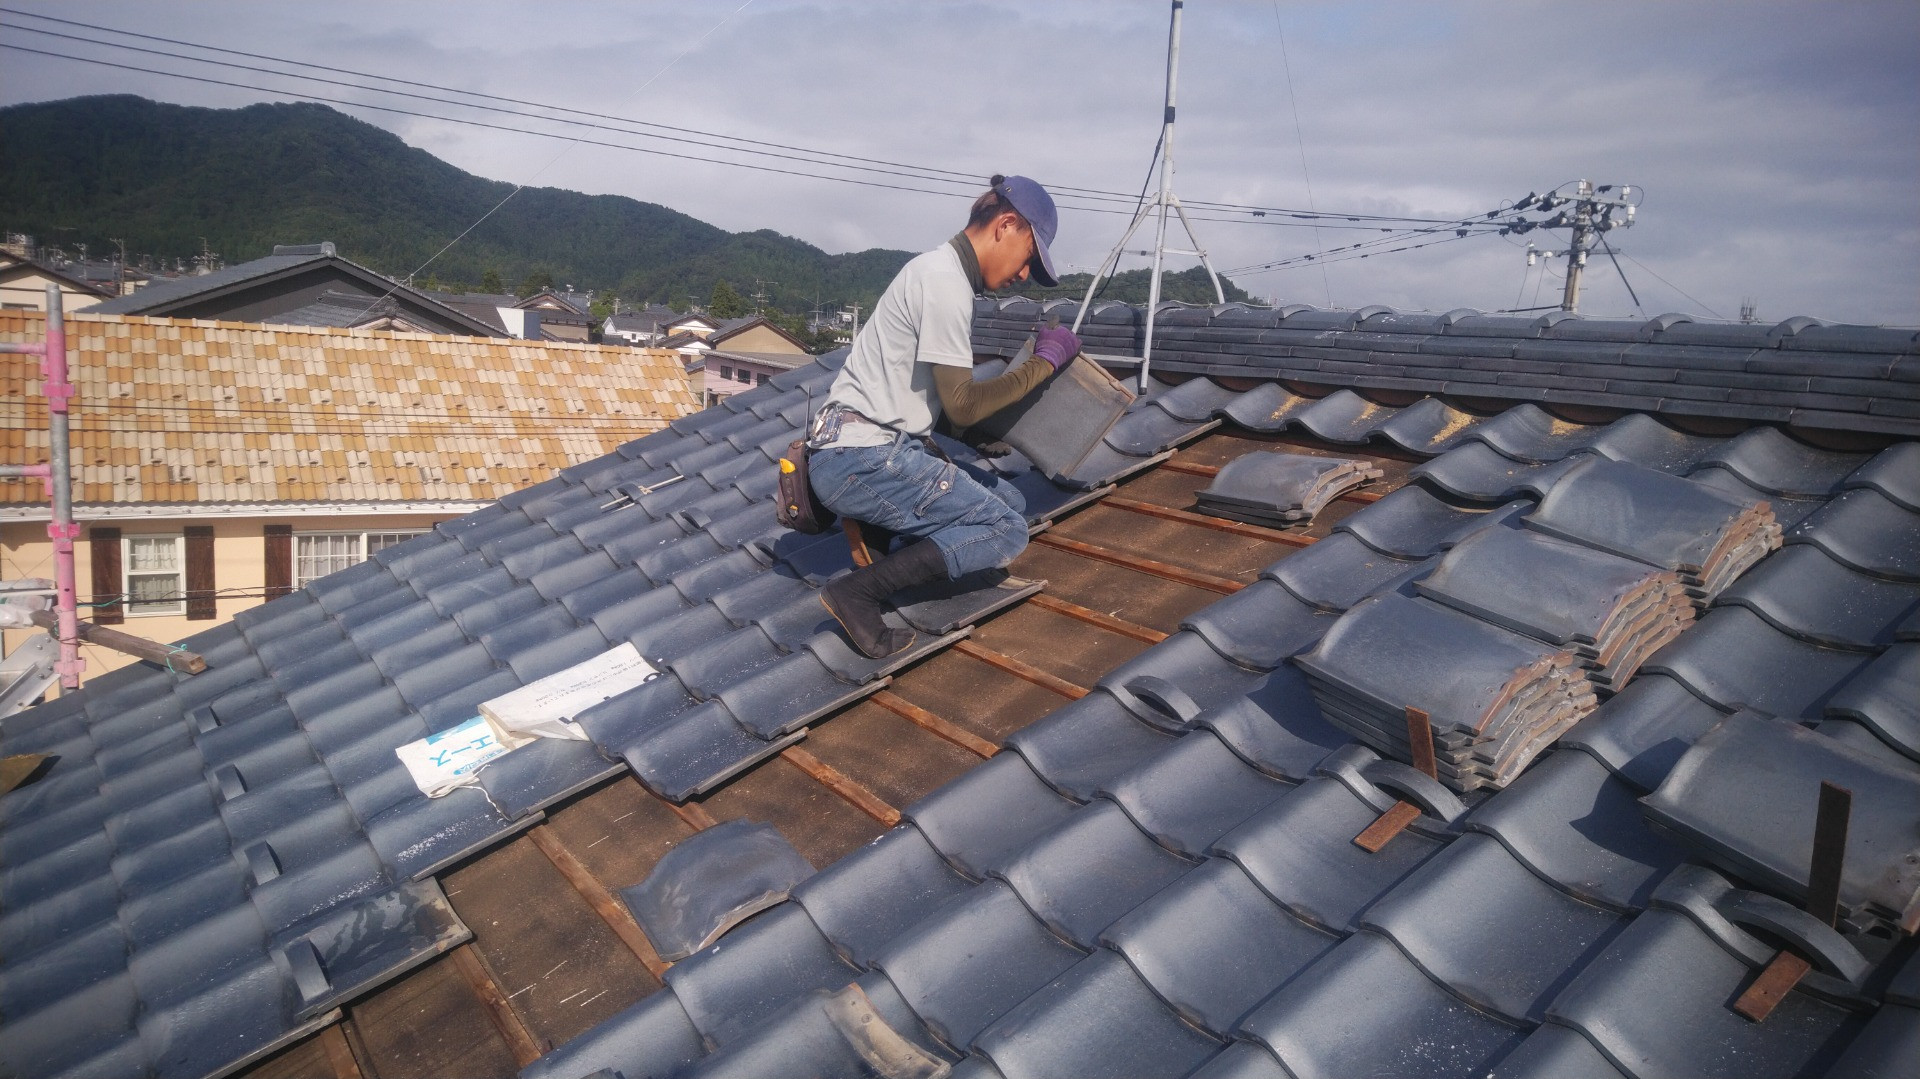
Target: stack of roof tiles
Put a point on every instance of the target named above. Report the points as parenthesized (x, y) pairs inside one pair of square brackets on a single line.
[(1708, 537), (1610, 611), (1281, 489), (1495, 698), (1156, 879)]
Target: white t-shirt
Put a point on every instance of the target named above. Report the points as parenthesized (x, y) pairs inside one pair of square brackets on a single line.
[(924, 317)]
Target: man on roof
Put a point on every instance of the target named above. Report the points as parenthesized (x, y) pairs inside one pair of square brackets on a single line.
[(872, 456)]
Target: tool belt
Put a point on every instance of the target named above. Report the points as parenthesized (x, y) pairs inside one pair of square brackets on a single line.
[(799, 508)]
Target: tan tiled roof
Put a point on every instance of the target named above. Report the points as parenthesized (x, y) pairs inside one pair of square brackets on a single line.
[(191, 410)]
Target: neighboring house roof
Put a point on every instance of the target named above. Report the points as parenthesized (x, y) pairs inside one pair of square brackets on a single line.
[(1149, 867), (783, 360), (348, 310), (646, 320), (193, 412), (556, 307), (482, 307), (685, 339), (289, 278), (688, 321), (735, 327), (13, 266)]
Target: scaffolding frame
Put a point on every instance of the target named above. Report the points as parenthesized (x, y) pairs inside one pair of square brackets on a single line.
[(57, 475)]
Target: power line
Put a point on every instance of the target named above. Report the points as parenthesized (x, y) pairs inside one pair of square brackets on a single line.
[(1300, 139), (1672, 286)]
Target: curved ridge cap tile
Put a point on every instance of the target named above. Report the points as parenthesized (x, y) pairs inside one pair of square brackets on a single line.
[(1344, 417), (1429, 427), (1734, 659), (1868, 531), (1804, 591), (1570, 590), (1883, 698), (1894, 472), (1780, 465)]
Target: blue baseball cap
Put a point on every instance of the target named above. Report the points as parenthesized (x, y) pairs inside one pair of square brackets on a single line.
[(1034, 204)]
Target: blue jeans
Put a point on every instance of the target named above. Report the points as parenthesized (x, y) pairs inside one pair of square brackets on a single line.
[(976, 517)]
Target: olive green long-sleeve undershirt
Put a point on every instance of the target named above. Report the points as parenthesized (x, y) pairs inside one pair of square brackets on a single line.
[(967, 401)]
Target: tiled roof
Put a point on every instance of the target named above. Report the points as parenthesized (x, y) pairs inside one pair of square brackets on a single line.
[(1801, 372), (786, 360), (188, 411), (1156, 879), (340, 310), (171, 289)]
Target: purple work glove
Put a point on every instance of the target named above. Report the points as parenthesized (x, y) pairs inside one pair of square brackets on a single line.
[(1057, 345)]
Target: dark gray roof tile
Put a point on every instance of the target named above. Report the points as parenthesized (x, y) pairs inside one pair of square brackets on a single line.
[(1081, 747), (1868, 531), (728, 989), (1343, 417), (697, 750), (424, 835), (653, 1039), (1428, 427), (1656, 1001), (1475, 472), (986, 815), (1787, 511), (867, 898), (1775, 463), (1413, 523), (1894, 472), (1094, 1020), (1641, 731), (1764, 831), (1577, 825), (1734, 659), (1260, 625), (1882, 698), (1365, 1009), (1193, 793), (1482, 924), (1556, 1052), (1803, 591), (1213, 945), (1172, 682), (973, 960), (1338, 572), (1276, 727), (1089, 870), (1300, 851), (1267, 408)]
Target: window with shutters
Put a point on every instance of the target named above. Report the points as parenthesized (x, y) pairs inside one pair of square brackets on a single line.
[(316, 554), (154, 571)]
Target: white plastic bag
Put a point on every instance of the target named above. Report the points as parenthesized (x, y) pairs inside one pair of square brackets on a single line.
[(545, 709)]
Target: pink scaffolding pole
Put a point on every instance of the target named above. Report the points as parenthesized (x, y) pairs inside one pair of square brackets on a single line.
[(58, 477)]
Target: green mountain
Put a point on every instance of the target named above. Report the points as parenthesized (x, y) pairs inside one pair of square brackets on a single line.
[(167, 178)]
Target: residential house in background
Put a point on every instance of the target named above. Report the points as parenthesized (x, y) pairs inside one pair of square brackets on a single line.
[(745, 352), (287, 285), (218, 464), (23, 286), (560, 319), (642, 327)]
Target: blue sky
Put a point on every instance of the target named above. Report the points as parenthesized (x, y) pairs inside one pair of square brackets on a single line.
[(1777, 143)]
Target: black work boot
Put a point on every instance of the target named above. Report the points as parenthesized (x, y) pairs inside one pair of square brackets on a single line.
[(859, 599)]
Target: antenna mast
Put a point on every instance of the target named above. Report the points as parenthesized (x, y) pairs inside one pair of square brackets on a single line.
[(1162, 203)]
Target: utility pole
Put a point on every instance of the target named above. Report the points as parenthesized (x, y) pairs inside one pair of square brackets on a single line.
[(1163, 203), (1592, 218)]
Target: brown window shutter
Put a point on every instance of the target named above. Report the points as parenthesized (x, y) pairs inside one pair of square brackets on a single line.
[(104, 553), (279, 560), (200, 586)]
